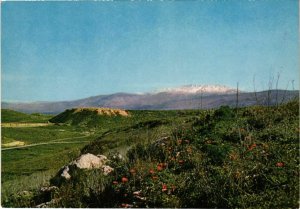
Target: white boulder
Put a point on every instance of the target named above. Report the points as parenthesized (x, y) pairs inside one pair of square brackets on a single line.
[(89, 161)]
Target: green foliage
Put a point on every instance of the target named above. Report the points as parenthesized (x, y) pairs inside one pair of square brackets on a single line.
[(245, 158), (8, 116)]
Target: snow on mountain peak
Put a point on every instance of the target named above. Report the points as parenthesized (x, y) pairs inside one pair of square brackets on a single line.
[(205, 89)]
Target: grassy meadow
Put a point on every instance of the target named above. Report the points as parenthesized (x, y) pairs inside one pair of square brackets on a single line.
[(246, 158)]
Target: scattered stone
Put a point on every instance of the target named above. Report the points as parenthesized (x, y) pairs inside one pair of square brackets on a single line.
[(107, 169), (49, 189), (118, 156), (48, 204), (65, 173)]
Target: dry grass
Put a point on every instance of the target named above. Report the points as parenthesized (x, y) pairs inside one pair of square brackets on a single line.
[(17, 125), (13, 144)]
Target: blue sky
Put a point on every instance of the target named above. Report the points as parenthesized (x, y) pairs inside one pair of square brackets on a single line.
[(69, 50)]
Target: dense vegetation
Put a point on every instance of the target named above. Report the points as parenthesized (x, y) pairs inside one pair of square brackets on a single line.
[(245, 158)]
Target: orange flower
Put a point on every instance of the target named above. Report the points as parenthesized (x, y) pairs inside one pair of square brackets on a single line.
[(164, 188), (115, 182), (124, 179), (280, 164), (154, 177)]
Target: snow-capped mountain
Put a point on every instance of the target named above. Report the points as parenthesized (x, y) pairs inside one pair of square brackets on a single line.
[(196, 89), (184, 97)]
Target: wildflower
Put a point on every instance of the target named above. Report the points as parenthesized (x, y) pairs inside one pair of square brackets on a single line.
[(124, 179), (115, 182), (233, 156), (237, 174), (132, 171), (173, 188), (163, 165), (164, 188), (187, 141), (180, 161), (151, 171), (252, 147), (208, 142), (189, 150), (280, 164), (159, 168), (125, 195), (137, 192), (125, 205), (154, 178), (179, 141)]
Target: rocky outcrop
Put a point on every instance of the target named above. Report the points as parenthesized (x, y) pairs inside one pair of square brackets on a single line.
[(87, 161)]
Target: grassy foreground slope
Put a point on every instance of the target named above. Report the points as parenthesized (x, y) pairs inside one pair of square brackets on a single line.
[(245, 158), (51, 147)]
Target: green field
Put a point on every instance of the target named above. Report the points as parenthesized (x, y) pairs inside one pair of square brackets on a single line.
[(245, 158), (48, 148)]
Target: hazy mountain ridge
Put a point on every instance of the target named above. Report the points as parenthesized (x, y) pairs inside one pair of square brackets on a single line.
[(185, 97)]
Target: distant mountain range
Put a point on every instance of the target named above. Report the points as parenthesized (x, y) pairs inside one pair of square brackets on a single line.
[(185, 97)]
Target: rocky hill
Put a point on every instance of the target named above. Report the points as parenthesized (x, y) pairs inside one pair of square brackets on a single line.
[(88, 116)]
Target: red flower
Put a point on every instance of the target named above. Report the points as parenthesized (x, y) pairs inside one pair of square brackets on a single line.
[(164, 188), (252, 147), (280, 164), (159, 168), (124, 179), (125, 205), (115, 182), (151, 171)]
